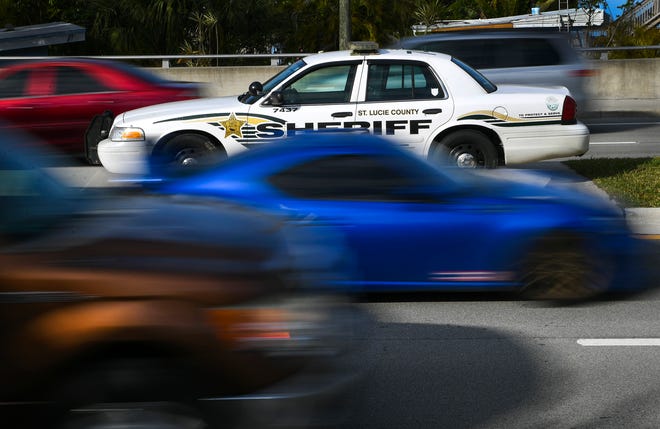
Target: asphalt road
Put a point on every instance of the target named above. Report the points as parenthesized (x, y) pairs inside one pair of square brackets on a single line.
[(443, 361), (624, 136)]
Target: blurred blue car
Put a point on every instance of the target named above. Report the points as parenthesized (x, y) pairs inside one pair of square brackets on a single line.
[(411, 226)]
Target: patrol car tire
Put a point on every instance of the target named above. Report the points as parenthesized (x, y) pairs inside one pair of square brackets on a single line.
[(563, 267), (192, 150), (467, 149)]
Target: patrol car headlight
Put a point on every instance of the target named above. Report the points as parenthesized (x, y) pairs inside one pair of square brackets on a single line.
[(124, 134)]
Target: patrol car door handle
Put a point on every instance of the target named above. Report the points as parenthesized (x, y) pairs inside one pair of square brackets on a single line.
[(432, 111), (342, 114)]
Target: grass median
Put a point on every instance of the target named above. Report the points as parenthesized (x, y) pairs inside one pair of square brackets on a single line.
[(632, 182)]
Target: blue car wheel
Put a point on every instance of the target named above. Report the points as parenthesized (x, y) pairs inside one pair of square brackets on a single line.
[(564, 267)]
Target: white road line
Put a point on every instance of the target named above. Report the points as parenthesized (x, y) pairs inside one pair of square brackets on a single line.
[(618, 342), (615, 124), (604, 143)]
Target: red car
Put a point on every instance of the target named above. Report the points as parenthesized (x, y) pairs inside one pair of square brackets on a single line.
[(57, 99)]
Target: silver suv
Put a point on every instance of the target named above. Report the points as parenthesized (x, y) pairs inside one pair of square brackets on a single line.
[(519, 57)]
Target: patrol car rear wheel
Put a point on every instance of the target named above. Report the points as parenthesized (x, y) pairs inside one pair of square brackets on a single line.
[(192, 150), (467, 149)]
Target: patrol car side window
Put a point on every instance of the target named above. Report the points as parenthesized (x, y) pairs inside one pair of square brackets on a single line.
[(331, 84), (402, 81)]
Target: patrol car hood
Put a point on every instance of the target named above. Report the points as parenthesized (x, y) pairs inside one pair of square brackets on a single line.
[(177, 109)]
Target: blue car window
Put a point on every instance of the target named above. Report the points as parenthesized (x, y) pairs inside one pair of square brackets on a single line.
[(30, 200), (349, 177)]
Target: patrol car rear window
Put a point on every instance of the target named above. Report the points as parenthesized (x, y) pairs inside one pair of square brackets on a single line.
[(487, 85)]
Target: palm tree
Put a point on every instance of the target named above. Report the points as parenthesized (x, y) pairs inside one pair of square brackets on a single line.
[(429, 12)]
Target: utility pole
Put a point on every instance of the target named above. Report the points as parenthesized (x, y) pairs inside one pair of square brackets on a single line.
[(344, 24)]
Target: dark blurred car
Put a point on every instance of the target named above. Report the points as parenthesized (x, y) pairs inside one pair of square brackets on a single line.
[(514, 57), (160, 312), (57, 99), (414, 226)]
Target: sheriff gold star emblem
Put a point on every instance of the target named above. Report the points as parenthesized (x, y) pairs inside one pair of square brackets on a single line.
[(233, 126)]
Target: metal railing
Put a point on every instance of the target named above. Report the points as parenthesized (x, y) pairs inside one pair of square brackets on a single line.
[(645, 13), (166, 60), (618, 48)]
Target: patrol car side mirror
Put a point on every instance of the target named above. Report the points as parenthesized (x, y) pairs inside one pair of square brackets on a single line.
[(276, 98), (255, 88)]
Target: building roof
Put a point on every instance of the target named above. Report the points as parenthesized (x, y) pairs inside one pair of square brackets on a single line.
[(32, 37), (563, 19)]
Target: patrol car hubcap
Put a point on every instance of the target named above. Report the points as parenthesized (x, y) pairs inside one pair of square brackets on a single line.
[(189, 161), (186, 157), (466, 160)]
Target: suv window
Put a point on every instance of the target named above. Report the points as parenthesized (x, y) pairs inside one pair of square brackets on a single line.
[(401, 81), (498, 53)]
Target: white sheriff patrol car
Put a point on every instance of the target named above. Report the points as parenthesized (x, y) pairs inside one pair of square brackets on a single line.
[(432, 103)]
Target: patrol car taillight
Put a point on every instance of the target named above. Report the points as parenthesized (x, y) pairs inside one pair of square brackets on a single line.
[(569, 111)]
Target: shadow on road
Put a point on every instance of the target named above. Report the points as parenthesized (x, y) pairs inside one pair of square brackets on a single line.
[(608, 122), (446, 376)]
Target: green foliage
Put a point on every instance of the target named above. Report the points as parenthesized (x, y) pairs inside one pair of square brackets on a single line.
[(497, 8), (154, 27), (637, 37), (622, 32), (632, 182), (428, 12)]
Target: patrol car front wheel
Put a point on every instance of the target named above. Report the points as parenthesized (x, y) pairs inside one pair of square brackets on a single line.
[(192, 150), (467, 149)]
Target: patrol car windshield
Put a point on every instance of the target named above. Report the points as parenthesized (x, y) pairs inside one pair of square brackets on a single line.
[(487, 85), (271, 83)]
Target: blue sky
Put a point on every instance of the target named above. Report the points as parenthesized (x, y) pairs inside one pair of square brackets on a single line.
[(613, 7)]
